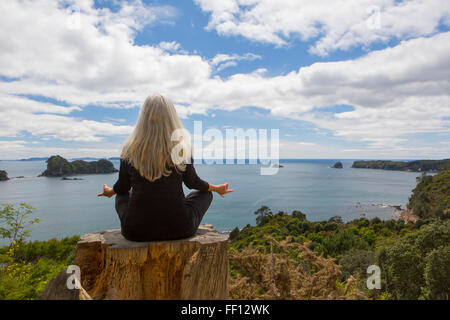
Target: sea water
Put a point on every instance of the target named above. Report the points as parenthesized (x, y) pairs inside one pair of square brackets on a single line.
[(72, 207)]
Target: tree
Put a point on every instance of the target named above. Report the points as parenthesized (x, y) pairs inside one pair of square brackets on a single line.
[(299, 215), (355, 262), (370, 236), (264, 214), (234, 233), (336, 219), (416, 266), (14, 222), (436, 274)]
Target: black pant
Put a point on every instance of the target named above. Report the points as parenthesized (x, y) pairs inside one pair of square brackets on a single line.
[(197, 203)]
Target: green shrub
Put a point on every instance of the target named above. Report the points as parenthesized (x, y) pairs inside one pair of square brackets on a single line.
[(412, 265), (234, 233), (341, 242), (370, 237), (436, 274), (356, 262)]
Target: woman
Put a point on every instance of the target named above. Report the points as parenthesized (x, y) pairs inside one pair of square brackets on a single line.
[(156, 208)]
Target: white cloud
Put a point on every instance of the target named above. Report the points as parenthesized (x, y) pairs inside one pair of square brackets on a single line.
[(396, 91), (20, 149), (222, 61), (330, 24)]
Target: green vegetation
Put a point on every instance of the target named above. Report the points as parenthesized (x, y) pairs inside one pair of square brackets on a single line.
[(431, 197), (14, 223), (26, 267), (3, 175), (414, 258), (284, 256), (416, 267), (57, 166), (418, 166)]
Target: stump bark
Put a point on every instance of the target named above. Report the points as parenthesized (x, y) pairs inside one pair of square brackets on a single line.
[(192, 268)]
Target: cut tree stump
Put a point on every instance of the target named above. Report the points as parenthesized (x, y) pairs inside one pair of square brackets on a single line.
[(192, 268)]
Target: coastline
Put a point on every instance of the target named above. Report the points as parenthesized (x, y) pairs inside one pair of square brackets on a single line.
[(407, 216)]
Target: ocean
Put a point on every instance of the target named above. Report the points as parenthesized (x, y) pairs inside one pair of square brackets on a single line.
[(72, 207)]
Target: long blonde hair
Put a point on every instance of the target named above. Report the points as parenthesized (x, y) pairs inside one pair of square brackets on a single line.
[(151, 146)]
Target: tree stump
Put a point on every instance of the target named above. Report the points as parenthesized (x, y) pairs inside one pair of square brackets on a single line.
[(192, 268), (57, 289)]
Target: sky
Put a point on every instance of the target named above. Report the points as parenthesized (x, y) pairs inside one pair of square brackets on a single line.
[(340, 79)]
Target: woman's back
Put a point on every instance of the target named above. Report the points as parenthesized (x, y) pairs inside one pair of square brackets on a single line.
[(153, 168), (152, 205)]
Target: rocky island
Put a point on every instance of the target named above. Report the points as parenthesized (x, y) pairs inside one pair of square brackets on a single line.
[(413, 166), (3, 175), (57, 166), (338, 165)]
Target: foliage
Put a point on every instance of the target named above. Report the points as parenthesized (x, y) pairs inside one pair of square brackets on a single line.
[(416, 266), (57, 166), (54, 249), (299, 215), (419, 165), (263, 215), (288, 270), (431, 197), (436, 274), (26, 267), (355, 262), (234, 233), (25, 280), (409, 271), (14, 222), (339, 243)]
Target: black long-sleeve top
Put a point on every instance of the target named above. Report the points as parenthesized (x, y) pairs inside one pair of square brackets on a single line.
[(157, 207)]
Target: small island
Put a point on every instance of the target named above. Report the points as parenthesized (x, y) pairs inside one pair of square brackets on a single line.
[(34, 159), (57, 166), (338, 165), (3, 175), (412, 166)]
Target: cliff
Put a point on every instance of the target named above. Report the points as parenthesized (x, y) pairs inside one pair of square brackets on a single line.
[(415, 166), (431, 197), (57, 166), (3, 175), (113, 268)]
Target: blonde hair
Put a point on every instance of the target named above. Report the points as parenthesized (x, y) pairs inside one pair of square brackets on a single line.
[(153, 148)]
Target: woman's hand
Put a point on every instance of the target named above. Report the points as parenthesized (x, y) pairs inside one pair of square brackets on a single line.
[(107, 192), (221, 189)]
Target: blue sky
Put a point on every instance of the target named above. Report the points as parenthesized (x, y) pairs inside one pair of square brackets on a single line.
[(363, 79)]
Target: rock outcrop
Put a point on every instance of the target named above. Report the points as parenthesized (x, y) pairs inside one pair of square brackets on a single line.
[(193, 268), (338, 165), (57, 166), (3, 175)]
